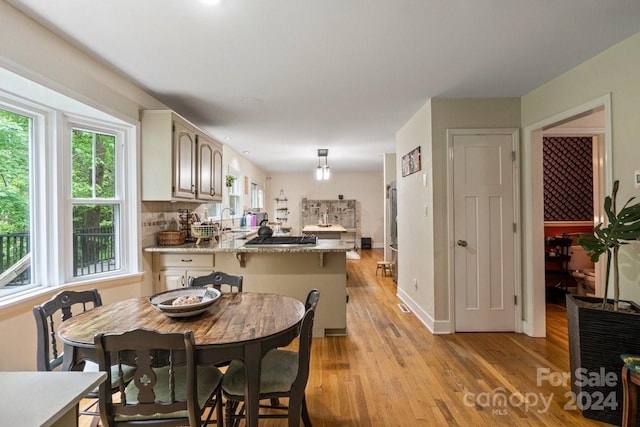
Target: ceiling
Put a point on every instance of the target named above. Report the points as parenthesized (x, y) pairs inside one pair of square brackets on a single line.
[(281, 78)]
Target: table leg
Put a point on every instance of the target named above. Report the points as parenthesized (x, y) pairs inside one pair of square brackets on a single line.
[(252, 366)]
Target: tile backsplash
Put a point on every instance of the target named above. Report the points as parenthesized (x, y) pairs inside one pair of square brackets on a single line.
[(160, 216)]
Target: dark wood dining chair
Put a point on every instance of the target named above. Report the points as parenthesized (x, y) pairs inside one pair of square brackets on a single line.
[(170, 390), (284, 373), (48, 315), (221, 281)]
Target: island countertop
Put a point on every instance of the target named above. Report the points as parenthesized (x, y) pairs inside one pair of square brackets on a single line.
[(237, 246)]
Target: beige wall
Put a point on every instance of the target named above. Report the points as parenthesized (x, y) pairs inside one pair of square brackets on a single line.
[(415, 230), (423, 240), (614, 72), (36, 53), (366, 188)]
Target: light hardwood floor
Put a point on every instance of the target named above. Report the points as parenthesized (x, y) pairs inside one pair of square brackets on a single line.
[(391, 371)]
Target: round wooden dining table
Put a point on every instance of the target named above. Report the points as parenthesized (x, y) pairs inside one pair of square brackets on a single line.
[(241, 325)]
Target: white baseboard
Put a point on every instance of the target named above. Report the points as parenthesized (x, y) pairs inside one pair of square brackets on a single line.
[(436, 327)]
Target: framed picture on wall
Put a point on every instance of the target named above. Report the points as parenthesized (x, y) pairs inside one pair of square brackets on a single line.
[(411, 162)]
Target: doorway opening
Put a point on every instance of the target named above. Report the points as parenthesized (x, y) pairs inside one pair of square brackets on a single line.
[(593, 120), (571, 190)]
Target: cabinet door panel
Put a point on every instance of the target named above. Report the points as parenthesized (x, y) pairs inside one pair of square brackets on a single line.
[(217, 173), (171, 279), (205, 190), (184, 161)]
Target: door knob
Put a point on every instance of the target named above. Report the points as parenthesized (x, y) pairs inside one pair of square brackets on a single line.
[(462, 243)]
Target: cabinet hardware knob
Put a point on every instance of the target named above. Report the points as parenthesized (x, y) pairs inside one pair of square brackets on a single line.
[(462, 243)]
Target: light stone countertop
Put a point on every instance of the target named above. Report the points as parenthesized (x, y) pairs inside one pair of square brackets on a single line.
[(237, 246)]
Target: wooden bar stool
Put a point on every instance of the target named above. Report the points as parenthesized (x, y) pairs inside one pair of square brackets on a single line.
[(385, 267), (630, 383)]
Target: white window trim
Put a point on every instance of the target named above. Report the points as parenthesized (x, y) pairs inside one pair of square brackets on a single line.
[(48, 201)]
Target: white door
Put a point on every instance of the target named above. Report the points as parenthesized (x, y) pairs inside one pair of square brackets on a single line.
[(483, 229)]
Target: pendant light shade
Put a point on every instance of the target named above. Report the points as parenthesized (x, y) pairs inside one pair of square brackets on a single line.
[(322, 171)]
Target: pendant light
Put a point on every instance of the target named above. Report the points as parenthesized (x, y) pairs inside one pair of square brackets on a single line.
[(323, 172)]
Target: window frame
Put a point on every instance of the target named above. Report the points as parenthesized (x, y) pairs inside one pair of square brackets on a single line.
[(71, 122), (50, 201)]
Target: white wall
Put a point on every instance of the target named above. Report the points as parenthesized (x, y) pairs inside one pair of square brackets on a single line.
[(367, 188)]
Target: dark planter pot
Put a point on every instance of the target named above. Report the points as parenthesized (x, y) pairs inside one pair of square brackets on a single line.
[(597, 338)]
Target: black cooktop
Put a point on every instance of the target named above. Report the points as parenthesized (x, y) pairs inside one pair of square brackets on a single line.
[(283, 240)]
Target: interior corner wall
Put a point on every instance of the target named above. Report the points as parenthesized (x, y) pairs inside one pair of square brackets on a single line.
[(458, 114), (32, 51), (423, 250), (615, 72), (36, 53), (415, 222)]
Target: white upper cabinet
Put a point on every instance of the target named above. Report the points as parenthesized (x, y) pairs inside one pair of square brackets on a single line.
[(179, 162)]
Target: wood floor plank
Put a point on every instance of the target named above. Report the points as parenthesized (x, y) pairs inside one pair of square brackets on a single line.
[(391, 371)]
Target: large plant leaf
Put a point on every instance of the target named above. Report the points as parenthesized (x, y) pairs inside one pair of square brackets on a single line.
[(622, 228)]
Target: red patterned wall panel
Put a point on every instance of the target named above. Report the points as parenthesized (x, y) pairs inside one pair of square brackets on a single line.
[(568, 179)]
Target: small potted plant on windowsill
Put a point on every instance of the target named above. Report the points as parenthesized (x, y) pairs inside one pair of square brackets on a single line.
[(600, 329)]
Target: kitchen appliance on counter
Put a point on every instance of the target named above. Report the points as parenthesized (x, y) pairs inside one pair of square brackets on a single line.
[(286, 241)]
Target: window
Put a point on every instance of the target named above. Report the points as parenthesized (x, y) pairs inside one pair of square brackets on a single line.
[(67, 172), (257, 196), (94, 202), (235, 198), (15, 200)]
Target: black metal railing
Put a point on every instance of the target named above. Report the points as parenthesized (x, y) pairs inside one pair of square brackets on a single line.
[(93, 252), (14, 247)]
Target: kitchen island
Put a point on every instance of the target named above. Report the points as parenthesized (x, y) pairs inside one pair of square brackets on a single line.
[(287, 270)]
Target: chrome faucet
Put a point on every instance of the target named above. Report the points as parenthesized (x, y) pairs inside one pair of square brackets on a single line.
[(231, 213)]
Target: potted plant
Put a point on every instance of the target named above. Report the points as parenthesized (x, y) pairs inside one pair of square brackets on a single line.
[(599, 329), (229, 180)]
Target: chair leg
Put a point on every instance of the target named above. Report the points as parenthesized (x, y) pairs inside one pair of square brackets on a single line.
[(230, 410), (305, 413), (630, 399), (295, 408), (94, 421), (219, 414)]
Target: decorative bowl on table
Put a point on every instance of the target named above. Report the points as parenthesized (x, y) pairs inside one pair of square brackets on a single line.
[(185, 302)]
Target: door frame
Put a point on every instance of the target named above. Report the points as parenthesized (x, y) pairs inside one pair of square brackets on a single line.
[(534, 323), (515, 146)]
